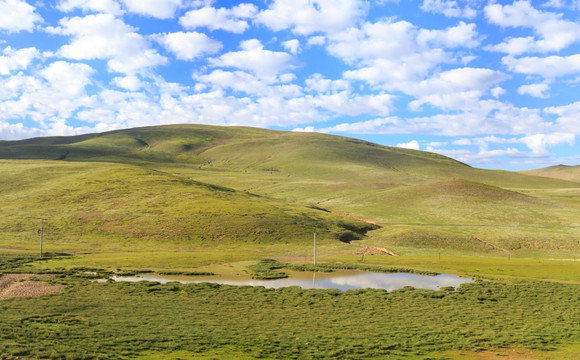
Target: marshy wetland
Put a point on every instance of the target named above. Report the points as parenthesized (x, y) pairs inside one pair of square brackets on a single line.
[(173, 320), (340, 280)]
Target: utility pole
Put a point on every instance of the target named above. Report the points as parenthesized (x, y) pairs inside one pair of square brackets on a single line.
[(41, 232), (315, 249)]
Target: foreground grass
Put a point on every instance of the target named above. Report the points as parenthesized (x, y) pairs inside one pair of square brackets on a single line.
[(151, 321)]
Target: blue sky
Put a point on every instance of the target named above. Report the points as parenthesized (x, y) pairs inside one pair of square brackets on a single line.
[(493, 84)]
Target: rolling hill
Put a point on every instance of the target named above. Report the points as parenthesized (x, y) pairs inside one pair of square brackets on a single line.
[(563, 172), (193, 185)]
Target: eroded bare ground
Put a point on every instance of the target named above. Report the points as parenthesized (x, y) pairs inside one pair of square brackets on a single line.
[(22, 285)]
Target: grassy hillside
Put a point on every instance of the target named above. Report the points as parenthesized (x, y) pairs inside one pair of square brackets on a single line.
[(116, 206), (563, 172), (423, 201)]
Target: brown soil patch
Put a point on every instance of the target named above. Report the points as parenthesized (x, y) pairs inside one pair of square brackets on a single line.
[(21, 285), (372, 250)]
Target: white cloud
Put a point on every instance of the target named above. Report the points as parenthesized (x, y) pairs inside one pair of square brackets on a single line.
[(57, 91), (102, 36), (17, 16), (484, 117), (539, 143), (306, 17), (318, 83), (462, 35), (548, 67), (497, 91), (240, 81), (16, 131), (459, 88), (449, 8), (568, 117), (232, 20), (316, 40), (305, 129), (161, 9), (266, 64), (292, 45), (535, 90), (132, 83), (69, 79), (352, 104), (104, 6), (413, 144), (11, 59), (554, 32), (190, 45), (396, 55)]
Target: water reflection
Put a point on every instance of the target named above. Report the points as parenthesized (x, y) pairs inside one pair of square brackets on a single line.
[(341, 280)]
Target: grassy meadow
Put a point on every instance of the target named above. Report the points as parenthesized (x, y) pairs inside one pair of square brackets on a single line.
[(144, 320), (221, 200)]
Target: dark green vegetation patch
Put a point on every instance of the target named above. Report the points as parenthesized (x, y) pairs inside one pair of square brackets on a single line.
[(126, 320)]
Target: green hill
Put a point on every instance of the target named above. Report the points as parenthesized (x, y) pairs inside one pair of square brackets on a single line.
[(563, 172), (193, 185)]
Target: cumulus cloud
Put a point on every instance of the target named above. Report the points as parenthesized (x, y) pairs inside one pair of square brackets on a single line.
[(13, 60), (266, 64), (234, 20), (190, 45), (104, 6), (549, 67), (568, 117), (554, 33), (161, 9), (54, 94), (449, 8), (292, 45), (539, 143), (396, 55), (485, 117), (17, 16), (102, 36), (132, 83), (306, 17), (455, 89), (535, 90), (413, 144)]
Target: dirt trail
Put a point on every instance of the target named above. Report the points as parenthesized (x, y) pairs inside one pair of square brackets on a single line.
[(491, 244), (372, 250), (21, 285)]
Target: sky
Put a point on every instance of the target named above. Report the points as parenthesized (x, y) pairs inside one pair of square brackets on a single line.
[(494, 84)]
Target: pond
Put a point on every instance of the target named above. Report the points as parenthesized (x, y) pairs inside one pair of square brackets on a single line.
[(341, 280)]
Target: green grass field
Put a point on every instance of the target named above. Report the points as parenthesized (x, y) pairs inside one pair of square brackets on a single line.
[(144, 320), (220, 200)]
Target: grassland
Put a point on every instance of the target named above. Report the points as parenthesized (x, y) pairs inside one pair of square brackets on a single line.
[(563, 172), (143, 320), (188, 186), (220, 200)]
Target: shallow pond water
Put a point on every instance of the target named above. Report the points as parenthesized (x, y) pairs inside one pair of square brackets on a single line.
[(341, 280)]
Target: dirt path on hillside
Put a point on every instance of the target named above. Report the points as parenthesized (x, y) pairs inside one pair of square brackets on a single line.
[(372, 250), (491, 244), (21, 285)]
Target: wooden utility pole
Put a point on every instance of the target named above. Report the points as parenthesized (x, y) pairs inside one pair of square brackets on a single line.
[(41, 232), (314, 248)]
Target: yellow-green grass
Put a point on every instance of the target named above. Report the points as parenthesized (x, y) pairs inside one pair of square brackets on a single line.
[(134, 320), (100, 206), (563, 172), (423, 201)]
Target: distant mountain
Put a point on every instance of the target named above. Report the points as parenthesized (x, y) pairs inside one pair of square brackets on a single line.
[(277, 187)]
